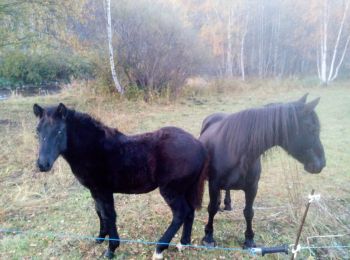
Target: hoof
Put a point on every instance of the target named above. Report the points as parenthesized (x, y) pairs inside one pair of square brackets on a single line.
[(157, 256), (180, 247), (208, 244), (249, 243), (227, 208), (99, 240), (108, 254)]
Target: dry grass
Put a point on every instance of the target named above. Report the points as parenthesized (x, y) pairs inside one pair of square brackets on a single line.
[(56, 202)]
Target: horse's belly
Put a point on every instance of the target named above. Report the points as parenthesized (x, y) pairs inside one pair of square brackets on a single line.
[(238, 185), (136, 189), (133, 183), (235, 186), (234, 180)]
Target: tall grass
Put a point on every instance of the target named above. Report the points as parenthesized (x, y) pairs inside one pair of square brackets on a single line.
[(56, 202)]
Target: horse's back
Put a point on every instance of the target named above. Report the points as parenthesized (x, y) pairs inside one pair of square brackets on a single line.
[(176, 144), (211, 119), (154, 159), (179, 155)]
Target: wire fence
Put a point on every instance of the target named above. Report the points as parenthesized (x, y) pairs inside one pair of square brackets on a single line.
[(252, 251), (135, 241), (145, 242)]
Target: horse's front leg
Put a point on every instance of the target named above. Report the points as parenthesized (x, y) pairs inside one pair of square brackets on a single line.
[(248, 212), (105, 205), (214, 196), (103, 229), (227, 201)]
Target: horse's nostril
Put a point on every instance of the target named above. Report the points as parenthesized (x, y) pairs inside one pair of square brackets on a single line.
[(43, 166)]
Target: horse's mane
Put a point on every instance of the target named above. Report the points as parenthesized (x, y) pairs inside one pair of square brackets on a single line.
[(94, 123), (87, 120), (251, 131)]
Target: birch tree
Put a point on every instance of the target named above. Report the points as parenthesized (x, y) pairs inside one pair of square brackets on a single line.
[(333, 74), (326, 76), (244, 34), (229, 58), (324, 41), (119, 88)]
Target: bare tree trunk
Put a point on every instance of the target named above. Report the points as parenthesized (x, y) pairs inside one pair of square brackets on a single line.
[(277, 33), (322, 64), (324, 50), (242, 48), (318, 62), (229, 59), (269, 58), (330, 76), (261, 40), (341, 59), (111, 57), (283, 64)]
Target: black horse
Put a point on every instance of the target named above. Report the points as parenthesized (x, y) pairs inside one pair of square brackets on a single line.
[(106, 161), (236, 142), (208, 121)]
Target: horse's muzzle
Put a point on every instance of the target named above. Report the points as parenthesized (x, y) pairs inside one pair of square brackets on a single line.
[(314, 167), (44, 166)]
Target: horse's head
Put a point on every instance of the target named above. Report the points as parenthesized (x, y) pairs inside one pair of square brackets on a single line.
[(304, 144), (52, 134)]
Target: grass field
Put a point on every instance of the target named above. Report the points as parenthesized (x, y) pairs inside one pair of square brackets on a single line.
[(56, 202)]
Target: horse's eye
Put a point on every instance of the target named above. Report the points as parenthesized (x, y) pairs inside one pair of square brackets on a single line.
[(59, 132)]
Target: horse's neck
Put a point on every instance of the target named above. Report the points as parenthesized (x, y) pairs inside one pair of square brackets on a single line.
[(270, 135), (85, 140), (281, 127)]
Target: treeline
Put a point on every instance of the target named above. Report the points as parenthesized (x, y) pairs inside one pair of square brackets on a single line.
[(158, 44)]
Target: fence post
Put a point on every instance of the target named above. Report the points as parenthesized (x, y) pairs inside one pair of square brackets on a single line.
[(296, 246)]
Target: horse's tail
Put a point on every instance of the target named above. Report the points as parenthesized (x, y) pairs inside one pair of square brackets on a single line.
[(210, 120), (205, 125), (197, 195)]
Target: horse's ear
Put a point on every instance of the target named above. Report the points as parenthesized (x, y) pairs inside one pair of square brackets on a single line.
[(303, 98), (62, 111), (38, 110), (309, 107)]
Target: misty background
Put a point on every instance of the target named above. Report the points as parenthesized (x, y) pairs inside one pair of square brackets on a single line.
[(160, 44)]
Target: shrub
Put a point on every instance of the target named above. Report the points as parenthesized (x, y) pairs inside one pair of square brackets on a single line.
[(156, 49), (18, 68)]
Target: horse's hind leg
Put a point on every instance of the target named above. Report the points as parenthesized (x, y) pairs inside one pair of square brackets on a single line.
[(227, 201), (248, 215), (187, 228), (250, 193), (214, 195), (180, 210)]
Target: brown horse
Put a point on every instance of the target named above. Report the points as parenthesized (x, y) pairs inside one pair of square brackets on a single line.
[(107, 161), (236, 142)]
